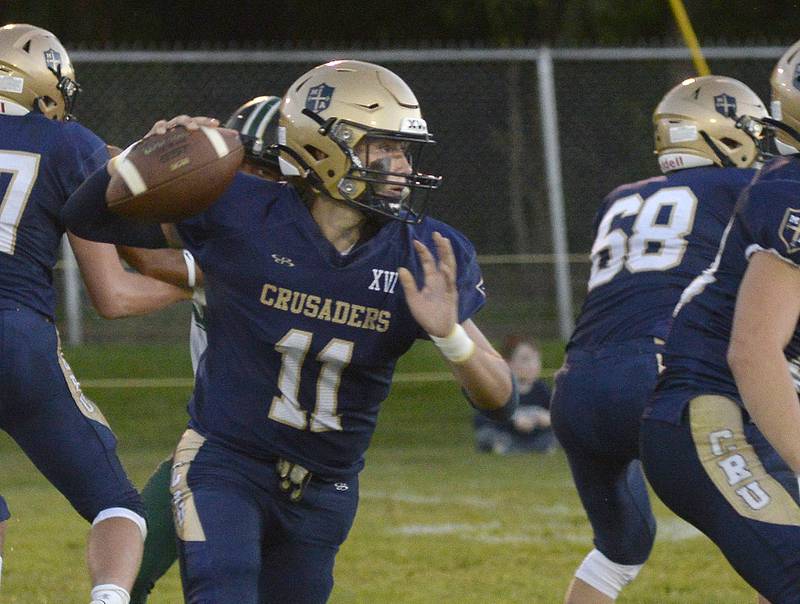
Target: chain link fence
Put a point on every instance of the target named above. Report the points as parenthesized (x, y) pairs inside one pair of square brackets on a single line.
[(484, 110)]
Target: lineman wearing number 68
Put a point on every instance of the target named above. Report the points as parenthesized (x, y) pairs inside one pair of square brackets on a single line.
[(314, 290), (652, 238)]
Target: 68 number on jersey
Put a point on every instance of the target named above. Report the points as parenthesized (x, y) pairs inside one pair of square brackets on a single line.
[(651, 246)]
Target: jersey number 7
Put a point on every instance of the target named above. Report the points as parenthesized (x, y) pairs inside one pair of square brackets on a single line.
[(23, 168)]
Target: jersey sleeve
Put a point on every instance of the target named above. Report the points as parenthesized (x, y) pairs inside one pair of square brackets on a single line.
[(770, 214), (469, 280), (80, 152), (234, 212)]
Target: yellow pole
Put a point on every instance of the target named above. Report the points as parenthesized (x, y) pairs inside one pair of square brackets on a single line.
[(687, 31)]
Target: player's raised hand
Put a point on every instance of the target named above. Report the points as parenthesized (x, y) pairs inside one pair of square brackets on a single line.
[(188, 122), (435, 304)]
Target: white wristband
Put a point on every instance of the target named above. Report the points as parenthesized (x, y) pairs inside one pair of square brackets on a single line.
[(457, 347), (191, 273)]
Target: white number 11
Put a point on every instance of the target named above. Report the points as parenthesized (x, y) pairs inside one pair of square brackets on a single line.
[(334, 358)]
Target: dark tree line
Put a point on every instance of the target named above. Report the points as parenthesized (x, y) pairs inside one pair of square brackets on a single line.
[(371, 23)]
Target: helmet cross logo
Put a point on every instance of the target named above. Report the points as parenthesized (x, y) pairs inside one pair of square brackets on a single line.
[(725, 104), (790, 230), (319, 98), (53, 59)]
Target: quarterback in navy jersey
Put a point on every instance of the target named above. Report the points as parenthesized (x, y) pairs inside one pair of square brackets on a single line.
[(257, 124), (652, 238), (314, 290), (44, 157), (721, 436)]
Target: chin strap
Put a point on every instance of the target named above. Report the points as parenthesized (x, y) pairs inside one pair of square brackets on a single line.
[(785, 128), (724, 159)]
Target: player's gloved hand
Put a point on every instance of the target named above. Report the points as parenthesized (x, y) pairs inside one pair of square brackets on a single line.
[(435, 305), (190, 123)]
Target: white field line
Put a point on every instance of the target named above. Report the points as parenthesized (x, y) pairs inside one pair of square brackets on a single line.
[(676, 529), (418, 377), (138, 383), (541, 539), (413, 498), (446, 528), (670, 529)]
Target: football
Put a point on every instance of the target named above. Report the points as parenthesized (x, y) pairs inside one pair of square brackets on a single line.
[(171, 176)]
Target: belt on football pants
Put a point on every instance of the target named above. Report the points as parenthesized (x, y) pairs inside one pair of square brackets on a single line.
[(293, 478)]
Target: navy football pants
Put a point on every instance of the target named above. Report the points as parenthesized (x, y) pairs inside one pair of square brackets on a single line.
[(240, 538), (596, 409), (718, 472), (62, 432)]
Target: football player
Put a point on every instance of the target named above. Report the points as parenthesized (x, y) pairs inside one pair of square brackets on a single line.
[(44, 156), (732, 358), (257, 124), (652, 238), (314, 290)]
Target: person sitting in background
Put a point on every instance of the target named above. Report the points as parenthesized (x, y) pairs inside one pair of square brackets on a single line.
[(529, 428)]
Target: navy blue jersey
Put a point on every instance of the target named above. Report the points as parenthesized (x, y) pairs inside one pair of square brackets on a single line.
[(41, 163), (302, 341), (652, 238), (767, 218)]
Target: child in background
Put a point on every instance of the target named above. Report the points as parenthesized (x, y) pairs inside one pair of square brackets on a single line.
[(529, 428)]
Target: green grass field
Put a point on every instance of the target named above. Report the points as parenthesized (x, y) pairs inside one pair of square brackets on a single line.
[(437, 522)]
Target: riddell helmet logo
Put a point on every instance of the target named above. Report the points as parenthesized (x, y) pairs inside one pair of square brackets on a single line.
[(671, 162)]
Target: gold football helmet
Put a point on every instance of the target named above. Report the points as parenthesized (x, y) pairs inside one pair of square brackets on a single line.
[(337, 115), (35, 71), (706, 121), (785, 105)]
